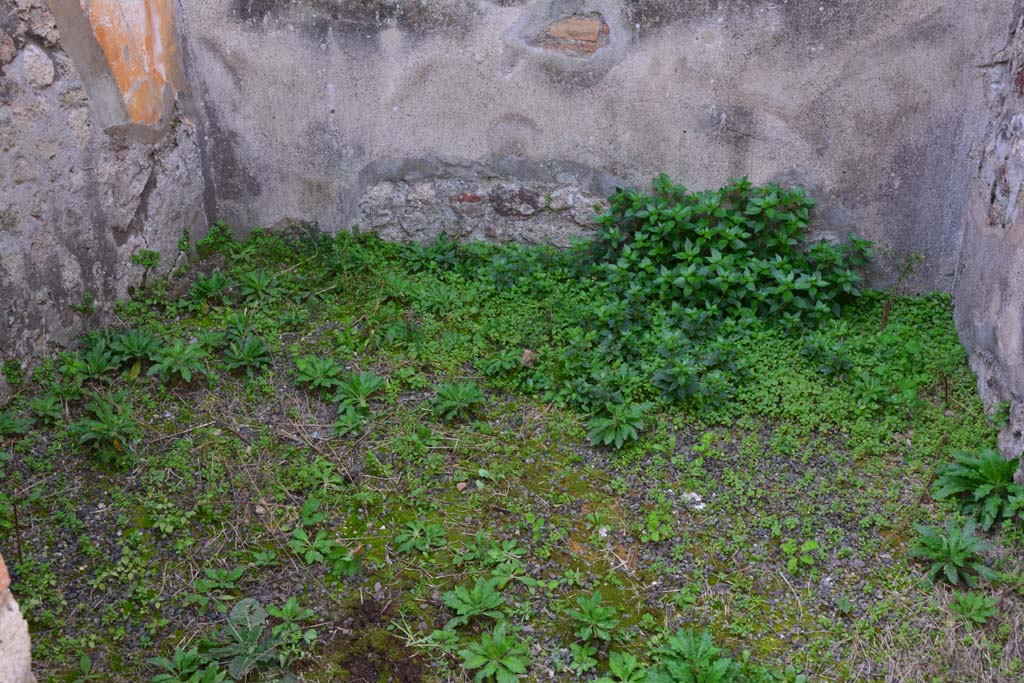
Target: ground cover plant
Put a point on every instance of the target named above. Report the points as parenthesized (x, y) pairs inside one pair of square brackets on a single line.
[(692, 449)]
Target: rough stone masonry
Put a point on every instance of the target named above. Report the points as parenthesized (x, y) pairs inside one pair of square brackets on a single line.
[(989, 293)]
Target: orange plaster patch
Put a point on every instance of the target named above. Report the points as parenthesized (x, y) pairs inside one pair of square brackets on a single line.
[(140, 41)]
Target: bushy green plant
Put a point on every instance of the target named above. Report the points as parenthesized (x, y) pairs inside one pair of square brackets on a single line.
[(482, 599), (355, 390), (498, 656), (954, 553), (502, 363), (983, 482), (624, 667), (593, 618), (249, 354), (245, 642), (259, 286), (318, 373), (349, 421), (689, 657), (179, 362), (739, 249), (207, 291), (976, 608), (108, 429), (457, 400), (420, 536), (48, 408), (187, 666), (134, 346), (617, 425), (11, 424)]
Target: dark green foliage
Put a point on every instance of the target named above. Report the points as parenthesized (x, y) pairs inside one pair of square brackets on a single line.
[(318, 373), (179, 362), (250, 354), (48, 408), (735, 251), (134, 346), (11, 424), (983, 482), (955, 554), (457, 400), (681, 280), (108, 429), (617, 425), (623, 667), (594, 619), (218, 240), (482, 599), (259, 286), (688, 657), (976, 608), (208, 290), (498, 656), (355, 390)]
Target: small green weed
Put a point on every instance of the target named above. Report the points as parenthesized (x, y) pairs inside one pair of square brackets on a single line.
[(954, 555), (457, 400)]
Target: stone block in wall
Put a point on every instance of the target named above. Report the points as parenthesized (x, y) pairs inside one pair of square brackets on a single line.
[(501, 200), (15, 646)]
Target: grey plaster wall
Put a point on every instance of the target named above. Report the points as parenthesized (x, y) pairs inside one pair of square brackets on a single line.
[(75, 201), (989, 293), (312, 109)]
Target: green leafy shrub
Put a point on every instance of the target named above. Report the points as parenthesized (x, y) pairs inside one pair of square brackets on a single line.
[(259, 286), (623, 667), (48, 408), (318, 373), (688, 657), (249, 354), (419, 536), (593, 618), (983, 482), (617, 425), (976, 608), (207, 291), (179, 362), (11, 424), (482, 599), (108, 429), (356, 389), (135, 347), (498, 656), (741, 249), (457, 400), (689, 277), (954, 554)]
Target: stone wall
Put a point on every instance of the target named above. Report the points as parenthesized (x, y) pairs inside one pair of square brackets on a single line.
[(15, 648), (313, 110), (94, 165), (989, 293)]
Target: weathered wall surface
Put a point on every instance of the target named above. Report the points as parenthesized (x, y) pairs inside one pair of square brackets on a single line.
[(412, 115), (989, 294), (15, 647), (89, 174)]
